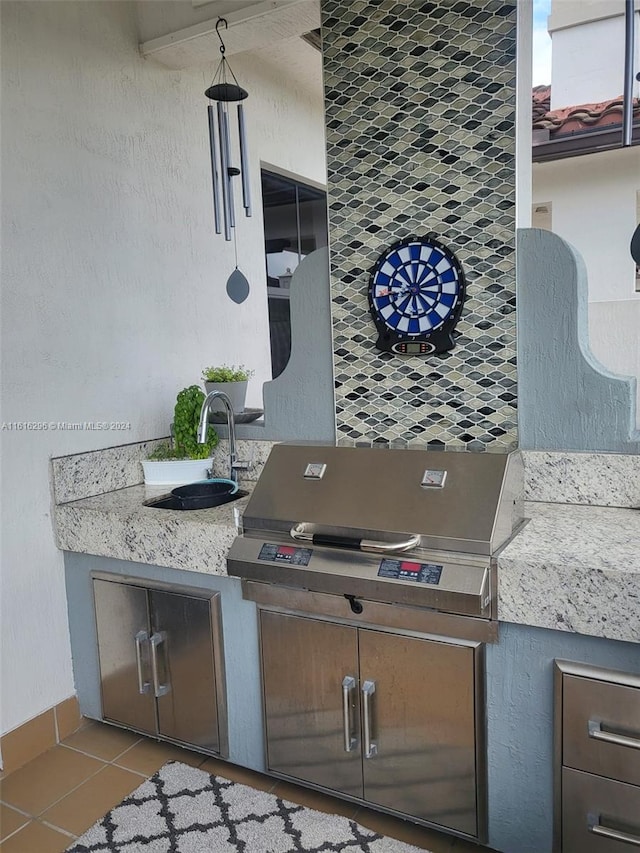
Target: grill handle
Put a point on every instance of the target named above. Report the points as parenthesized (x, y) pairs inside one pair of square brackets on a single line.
[(300, 533)]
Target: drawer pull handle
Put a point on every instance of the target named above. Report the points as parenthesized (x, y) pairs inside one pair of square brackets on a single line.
[(597, 733), (607, 832)]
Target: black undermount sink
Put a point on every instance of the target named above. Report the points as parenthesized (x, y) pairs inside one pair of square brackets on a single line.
[(170, 501)]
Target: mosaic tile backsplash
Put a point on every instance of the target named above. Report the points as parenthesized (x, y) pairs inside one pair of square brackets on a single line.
[(420, 115)]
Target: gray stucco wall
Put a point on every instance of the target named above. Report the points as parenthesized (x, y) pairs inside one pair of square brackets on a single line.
[(299, 404), (567, 399)]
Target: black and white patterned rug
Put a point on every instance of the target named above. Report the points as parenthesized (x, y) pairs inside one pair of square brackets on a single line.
[(184, 810)]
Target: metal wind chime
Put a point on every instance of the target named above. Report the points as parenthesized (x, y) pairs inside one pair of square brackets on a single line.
[(224, 92)]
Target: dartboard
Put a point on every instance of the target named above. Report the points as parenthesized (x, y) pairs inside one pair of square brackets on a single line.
[(416, 293)]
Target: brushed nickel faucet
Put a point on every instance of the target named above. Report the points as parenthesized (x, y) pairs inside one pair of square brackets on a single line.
[(234, 464)]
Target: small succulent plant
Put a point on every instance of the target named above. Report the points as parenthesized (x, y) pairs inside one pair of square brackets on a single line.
[(224, 373)]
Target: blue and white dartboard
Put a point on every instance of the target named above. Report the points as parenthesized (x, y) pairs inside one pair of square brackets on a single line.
[(416, 293)]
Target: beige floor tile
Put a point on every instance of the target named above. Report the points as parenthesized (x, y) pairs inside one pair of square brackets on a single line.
[(92, 800), (10, 820), (35, 838), (147, 756), (68, 717), (314, 799), (102, 741), (46, 779), (404, 830), (243, 775)]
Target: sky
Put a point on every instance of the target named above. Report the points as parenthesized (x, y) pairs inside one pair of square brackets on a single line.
[(541, 43)]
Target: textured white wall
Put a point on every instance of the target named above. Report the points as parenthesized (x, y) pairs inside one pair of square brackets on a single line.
[(113, 283), (587, 61), (594, 208), (568, 13)]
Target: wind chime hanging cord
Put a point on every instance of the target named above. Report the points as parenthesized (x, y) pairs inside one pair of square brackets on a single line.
[(221, 89)]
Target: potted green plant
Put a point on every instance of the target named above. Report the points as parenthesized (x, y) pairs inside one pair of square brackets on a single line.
[(184, 460), (232, 381)]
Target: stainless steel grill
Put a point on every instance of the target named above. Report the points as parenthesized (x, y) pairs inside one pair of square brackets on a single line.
[(375, 576), (407, 528)]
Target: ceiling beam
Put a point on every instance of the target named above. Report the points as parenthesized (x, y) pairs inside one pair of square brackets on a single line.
[(250, 28)]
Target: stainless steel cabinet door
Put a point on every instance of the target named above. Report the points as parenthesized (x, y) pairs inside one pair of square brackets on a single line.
[(310, 673), (419, 727), (122, 621), (183, 668)]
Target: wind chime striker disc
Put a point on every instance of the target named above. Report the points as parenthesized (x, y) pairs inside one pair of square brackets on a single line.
[(416, 293), (226, 92)]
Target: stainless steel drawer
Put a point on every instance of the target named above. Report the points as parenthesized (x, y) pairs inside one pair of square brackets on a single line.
[(599, 815), (601, 728)]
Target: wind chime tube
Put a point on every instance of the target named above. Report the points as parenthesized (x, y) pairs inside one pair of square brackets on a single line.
[(230, 171), (224, 163), (244, 166), (215, 178)]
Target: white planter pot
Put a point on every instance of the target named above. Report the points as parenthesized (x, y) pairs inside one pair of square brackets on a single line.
[(235, 391), (174, 472)]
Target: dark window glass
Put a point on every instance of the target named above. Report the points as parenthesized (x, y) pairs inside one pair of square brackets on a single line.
[(295, 224)]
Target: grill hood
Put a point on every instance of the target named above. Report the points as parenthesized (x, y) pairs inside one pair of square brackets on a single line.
[(386, 494)]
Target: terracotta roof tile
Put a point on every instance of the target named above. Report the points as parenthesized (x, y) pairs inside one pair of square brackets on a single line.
[(541, 102), (577, 118)]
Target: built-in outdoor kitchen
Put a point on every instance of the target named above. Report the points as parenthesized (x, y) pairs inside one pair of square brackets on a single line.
[(422, 672), (411, 579)]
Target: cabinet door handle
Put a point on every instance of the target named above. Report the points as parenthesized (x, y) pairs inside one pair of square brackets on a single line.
[(615, 834), (156, 640), (597, 733), (368, 689), (348, 684), (140, 638)]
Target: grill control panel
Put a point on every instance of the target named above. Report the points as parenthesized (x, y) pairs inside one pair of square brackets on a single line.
[(285, 554), (409, 571)]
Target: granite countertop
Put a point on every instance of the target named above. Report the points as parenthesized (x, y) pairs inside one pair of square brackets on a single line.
[(117, 524), (571, 568), (574, 568)]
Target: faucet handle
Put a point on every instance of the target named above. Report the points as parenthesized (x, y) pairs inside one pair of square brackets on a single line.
[(239, 465)]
